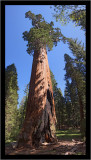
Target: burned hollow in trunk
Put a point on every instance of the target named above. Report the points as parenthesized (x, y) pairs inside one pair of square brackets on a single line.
[(45, 129)]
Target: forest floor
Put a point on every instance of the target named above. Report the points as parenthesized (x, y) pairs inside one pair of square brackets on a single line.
[(69, 143)]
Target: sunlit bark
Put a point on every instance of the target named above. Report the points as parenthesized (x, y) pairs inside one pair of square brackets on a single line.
[(39, 124)]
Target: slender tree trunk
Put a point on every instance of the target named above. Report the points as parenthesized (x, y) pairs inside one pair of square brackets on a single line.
[(80, 102), (81, 105), (81, 112), (40, 120), (81, 109), (59, 119)]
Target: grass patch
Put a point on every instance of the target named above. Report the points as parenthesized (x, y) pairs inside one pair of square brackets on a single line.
[(68, 134), (79, 153), (8, 143)]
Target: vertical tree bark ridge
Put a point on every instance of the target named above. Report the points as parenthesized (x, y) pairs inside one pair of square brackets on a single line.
[(40, 120)]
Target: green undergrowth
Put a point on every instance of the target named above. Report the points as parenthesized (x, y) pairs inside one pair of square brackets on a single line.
[(8, 142), (68, 134)]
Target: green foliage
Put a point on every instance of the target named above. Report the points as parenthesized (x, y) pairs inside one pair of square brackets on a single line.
[(69, 134), (59, 102), (11, 101), (54, 84), (75, 77), (79, 17), (78, 65), (42, 34), (22, 107), (76, 13), (72, 104)]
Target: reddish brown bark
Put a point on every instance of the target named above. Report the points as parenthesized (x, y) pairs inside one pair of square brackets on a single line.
[(39, 124)]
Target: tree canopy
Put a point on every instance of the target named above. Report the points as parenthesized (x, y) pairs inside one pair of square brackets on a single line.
[(76, 13), (41, 34), (75, 77)]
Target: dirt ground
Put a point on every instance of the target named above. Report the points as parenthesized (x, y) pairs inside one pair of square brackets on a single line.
[(60, 148)]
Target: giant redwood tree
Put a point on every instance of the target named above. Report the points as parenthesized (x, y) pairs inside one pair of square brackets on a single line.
[(40, 119)]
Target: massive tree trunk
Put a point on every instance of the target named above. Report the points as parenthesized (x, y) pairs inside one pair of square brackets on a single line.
[(40, 120)]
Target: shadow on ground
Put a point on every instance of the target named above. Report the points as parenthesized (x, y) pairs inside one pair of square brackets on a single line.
[(69, 143)]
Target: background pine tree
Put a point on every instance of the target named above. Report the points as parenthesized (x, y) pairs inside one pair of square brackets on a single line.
[(11, 101), (76, 80)]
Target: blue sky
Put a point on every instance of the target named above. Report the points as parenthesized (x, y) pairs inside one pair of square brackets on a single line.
[(15, 46)]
